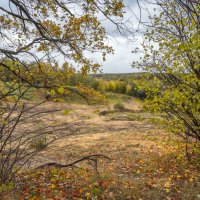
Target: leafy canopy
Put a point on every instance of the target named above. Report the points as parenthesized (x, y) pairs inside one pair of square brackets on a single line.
[(172, 61), (37, 31)]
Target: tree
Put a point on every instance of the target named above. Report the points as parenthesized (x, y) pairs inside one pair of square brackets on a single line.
[(172, 58), (33, 33), (55, 27)]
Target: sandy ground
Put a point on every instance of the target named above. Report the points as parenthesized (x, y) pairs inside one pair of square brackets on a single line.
[(96, 134)]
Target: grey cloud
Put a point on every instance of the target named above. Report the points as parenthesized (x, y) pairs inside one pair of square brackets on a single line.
[(121, 61)]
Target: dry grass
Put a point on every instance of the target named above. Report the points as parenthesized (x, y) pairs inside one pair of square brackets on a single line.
[(144, 163)]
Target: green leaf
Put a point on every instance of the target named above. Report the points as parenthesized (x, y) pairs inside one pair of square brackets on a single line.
[(61, 90), (53, 92)]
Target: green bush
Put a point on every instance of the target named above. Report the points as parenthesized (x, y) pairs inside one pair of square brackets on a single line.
[(39, 143)]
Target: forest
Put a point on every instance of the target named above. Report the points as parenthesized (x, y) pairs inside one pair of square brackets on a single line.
[(70, 130)]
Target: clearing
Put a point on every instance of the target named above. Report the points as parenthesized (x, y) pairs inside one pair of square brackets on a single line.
[(145, 161)]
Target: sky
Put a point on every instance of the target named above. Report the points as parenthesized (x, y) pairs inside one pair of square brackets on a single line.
[(121, 61), (123, 57)]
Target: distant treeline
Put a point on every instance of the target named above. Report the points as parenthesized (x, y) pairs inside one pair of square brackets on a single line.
[(115, 83)]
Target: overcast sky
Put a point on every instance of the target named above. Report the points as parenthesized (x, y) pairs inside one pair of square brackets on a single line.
[(123, 57)]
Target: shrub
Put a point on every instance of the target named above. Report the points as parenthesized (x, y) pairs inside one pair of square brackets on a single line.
[(119, 106), (39, 143)]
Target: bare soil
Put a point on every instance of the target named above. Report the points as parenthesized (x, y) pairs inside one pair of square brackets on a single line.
[(97, 134)]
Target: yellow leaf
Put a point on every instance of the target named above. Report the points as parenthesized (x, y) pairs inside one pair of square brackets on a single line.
[(191, 179), (167, 190), (87, 194), (167, 184), (178, 176), (66, 112), (53, 186)]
